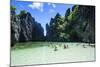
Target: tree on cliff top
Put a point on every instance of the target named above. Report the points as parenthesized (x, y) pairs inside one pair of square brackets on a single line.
[(13, 8)]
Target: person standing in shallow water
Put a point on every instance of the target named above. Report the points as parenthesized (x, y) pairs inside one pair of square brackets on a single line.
[(65, 46), (55, 49)]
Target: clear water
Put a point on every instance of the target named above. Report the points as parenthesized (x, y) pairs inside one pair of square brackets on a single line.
[(44, 53)]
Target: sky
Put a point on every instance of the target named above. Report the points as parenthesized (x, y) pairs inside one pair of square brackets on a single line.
[(41, 11)]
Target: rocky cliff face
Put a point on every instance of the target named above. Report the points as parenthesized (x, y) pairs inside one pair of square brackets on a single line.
[(84, 24), (76, 26), (25, 28)]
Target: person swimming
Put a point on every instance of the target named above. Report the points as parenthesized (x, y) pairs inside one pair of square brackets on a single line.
[(84, 46)]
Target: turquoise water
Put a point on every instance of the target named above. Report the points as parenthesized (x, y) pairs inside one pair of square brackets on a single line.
[(44, 53)]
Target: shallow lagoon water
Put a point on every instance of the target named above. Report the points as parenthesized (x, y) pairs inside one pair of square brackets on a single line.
[(45, 54)]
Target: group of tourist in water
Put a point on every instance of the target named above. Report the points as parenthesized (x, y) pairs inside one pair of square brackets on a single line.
[(56, 47), (67, 46)]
